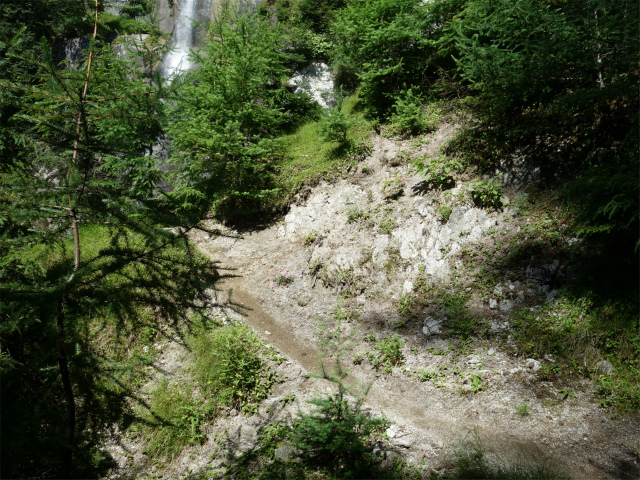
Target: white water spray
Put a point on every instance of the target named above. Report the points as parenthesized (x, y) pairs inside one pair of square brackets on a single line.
[(177, 60)]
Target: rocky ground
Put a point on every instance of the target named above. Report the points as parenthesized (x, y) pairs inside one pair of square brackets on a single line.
[(355, 248)]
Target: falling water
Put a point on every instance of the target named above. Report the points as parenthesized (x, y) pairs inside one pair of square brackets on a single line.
[(177, 60)]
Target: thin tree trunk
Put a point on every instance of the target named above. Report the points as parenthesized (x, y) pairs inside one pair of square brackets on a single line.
[(74, 159), (63, 366), (63, 363)]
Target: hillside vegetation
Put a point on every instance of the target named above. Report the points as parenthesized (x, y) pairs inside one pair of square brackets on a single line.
[(97, 269)]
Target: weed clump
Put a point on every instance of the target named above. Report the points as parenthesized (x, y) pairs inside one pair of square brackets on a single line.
[(230, 369)]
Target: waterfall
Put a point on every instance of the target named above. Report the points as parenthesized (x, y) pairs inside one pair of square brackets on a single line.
[(177, 60)]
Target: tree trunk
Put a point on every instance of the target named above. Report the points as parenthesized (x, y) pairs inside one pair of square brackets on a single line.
[(63, 366)]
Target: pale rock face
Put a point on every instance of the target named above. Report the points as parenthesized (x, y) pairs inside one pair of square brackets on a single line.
[(317, 81)]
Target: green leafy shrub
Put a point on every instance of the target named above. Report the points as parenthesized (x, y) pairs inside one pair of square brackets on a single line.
[(335, 126), (438, 171), (424, 374), (229, 368), (487, 194), (387, 353), (408, 117)]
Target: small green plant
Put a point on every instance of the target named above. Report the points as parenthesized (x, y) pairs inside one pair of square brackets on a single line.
[(335, 126), (487, 194), (476, 383), (406, 305), (567, 394), (356, 214), (523, 409), (423, 374), (371, 338), (387, 353), (367, 256), (438, 171), (311, 237), (336, 430), (366, 170), (387, 225), (445, 213)]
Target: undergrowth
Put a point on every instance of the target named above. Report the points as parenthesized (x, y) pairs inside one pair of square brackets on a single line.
[(227, 370)]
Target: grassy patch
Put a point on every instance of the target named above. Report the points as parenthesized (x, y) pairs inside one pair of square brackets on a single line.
[(307, 158), (228, 369), (583, 334)]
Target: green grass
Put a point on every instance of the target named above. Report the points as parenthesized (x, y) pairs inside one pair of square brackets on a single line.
[(581, 332), (307, 158), (174, 420), (229, 367)]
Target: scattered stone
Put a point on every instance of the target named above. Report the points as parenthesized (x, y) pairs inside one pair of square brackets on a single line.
[(533, 365), (431, 326), (549, 358), (515, 370), (473, 361), (404, 442), (287, 453), (605, 367), (493, 303), (552, 295), (506, 305), (491, 351)]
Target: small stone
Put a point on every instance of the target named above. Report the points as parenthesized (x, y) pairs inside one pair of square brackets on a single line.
[(493, 303), (533, 365), (431, 326), (506, 305), (605, 367), (491, 351), (287, 453), (404, 442), (473, 361), (267, 332), (515, 370)]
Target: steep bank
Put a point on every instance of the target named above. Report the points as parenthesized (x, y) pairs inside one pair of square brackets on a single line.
[(283, 291)]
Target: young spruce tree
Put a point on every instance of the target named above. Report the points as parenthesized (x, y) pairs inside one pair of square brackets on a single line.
[(89, 256)]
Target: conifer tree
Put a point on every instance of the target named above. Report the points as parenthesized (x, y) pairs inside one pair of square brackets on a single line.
[(90, 254)]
